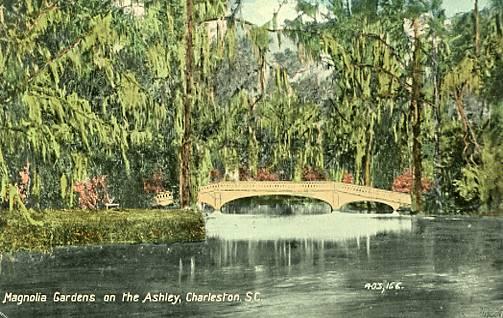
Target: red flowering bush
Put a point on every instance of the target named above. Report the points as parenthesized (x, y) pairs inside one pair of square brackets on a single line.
[(311, 174), (404, 182), (24, 182), (92, 193), (347, 177), (264, 174)]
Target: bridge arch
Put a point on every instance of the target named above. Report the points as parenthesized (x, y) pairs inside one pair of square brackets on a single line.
[(218, 204), (393, 206), (289, 195)]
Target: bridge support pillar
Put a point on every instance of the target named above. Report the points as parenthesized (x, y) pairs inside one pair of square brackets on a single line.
[(395, 208)]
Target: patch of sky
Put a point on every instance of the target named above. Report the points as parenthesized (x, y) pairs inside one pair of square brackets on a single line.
[(261, 11)]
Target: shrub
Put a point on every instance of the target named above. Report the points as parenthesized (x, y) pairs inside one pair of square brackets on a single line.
[(347, 177), (404, 182), (311, 174), (264, 174), (93, 193)]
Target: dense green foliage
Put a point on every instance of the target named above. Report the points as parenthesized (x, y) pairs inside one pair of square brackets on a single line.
[(367, 87), (76, 227)]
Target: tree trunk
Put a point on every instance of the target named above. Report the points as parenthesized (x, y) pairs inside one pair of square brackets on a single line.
[(368, 165), (252, 136), (415, 117), (186, 146), (348, 7), (252, 149), (467, 128), (476, 18), (368, 162), (437, 166)]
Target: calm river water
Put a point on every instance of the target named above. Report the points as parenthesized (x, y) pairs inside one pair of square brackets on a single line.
[(274, 266)]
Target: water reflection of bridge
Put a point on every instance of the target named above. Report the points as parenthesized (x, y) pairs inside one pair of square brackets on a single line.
[(328, 227), (336, 194), (251, 245)]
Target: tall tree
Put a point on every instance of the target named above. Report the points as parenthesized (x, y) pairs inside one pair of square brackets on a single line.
[(185, 153), (377, 76), (66, 96), (416, 109)]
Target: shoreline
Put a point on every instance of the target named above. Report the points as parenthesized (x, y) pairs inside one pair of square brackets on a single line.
[(74, 228), (59, 228)]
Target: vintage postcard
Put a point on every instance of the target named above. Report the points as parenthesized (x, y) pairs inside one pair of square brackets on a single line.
[(251, 158)]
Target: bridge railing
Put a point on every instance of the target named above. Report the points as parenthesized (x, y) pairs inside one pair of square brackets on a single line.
[(346, 187), (377, 193), (268, 185)]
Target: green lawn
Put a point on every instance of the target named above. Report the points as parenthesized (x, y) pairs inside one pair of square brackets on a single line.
[(82, 227)]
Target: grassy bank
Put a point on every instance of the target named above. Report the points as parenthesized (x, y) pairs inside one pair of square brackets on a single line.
[(78, 227)]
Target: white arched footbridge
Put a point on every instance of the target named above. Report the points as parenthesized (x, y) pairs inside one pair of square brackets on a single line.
[(336, 194)]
